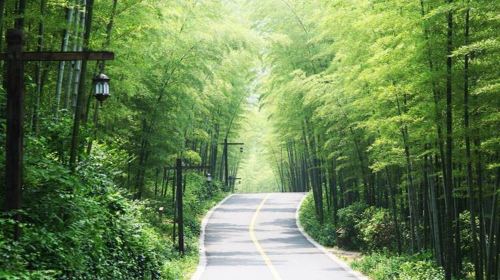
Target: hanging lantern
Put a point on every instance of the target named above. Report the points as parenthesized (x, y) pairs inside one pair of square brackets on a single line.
[(101, 87), (241, 149)]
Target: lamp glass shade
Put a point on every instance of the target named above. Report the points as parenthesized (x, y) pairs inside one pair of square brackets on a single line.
[(101, 87)]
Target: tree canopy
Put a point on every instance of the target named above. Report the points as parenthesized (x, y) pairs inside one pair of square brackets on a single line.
[(382, 109)]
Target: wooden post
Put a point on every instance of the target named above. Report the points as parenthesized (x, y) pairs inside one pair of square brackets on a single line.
[(180, 217), (14, 83)]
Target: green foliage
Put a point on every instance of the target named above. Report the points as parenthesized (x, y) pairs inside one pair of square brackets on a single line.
[(180, 74), (420, 270), (393, 99), (466, 232), (377, 229), (256, 167), (369, 228), (380, 266), (325, 233), (348, 231), (76, 226), (353, 89)]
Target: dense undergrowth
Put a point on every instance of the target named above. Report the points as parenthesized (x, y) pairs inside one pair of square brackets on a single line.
[(369, 230), (83, 225)]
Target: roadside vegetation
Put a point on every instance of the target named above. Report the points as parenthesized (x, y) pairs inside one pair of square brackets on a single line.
[(77, 226), (178, 88), (368, 230), (387, 111)]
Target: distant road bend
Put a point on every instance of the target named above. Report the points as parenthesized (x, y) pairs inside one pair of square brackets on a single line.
[(255, 236)]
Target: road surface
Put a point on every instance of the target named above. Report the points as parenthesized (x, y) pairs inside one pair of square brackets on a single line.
[(255, 236)]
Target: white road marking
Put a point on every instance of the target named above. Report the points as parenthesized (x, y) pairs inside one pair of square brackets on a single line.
[(202, 264), (334, 258)]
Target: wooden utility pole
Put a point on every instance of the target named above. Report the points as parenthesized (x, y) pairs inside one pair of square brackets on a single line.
[(14, 84)]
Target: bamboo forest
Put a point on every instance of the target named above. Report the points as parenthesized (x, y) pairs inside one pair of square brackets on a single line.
[(250, 139)]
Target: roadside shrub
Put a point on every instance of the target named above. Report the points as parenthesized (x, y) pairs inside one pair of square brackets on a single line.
[(376, 229), (79, 225), (379, 266), (420, 270), (323, 234), (382, 266), (348, 235)]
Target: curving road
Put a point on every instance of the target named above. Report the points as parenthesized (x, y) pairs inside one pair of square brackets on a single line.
[(255, 236)]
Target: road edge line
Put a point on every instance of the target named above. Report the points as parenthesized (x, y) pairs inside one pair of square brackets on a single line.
[(202, 263), (334, 258)]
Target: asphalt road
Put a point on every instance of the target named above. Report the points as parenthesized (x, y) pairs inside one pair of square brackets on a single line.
[(255, 236)]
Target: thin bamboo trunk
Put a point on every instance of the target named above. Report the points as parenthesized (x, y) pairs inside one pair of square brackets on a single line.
[(451, 265), (479, 177), (74, 76), (21, 8), (70, 11), (493, 258), (80, 100), (2, 16), (394, 210), (468, 158)]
